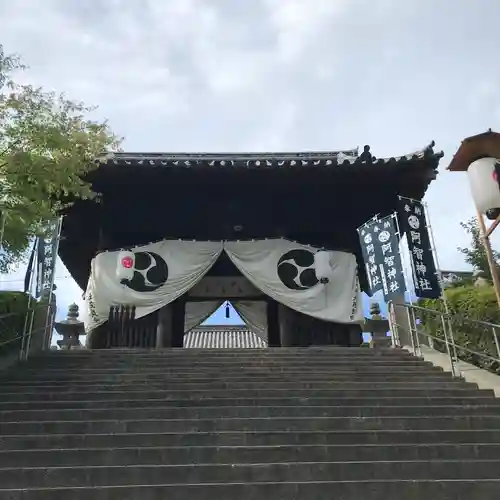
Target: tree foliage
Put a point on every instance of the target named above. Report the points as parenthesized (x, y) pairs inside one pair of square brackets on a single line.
[(475, 255), (468, 305), (465, 303), (47, 145)]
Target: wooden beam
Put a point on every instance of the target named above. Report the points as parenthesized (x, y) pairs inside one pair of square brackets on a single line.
[(262, 298)]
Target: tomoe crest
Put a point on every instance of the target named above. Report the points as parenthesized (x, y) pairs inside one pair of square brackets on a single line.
[(150, 272), (296, 270)]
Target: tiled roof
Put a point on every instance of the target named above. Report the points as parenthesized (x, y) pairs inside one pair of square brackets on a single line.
[(310, 159), (217, 337)]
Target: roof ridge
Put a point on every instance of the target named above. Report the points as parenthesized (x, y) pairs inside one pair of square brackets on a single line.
[(347, 156), (230, 155)]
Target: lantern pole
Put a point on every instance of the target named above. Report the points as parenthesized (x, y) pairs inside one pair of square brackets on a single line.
[(495, 224), (489, 255)]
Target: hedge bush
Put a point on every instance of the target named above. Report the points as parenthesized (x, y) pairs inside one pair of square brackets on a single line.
[(466, 302)]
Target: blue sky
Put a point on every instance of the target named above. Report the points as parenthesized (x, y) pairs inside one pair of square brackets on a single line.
[(264, 75)]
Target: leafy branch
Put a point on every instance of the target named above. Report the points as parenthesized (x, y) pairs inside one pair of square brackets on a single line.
[(47, 146), (475, 255)]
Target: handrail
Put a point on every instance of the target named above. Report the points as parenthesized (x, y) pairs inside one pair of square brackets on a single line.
[(454, 350), (444, 313), (27, 318), (19, 337)]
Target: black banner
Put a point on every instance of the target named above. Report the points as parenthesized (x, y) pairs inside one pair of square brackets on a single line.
[(380, 246), (413, 223), (371, 255), (46, 256), (29, 269), (40, 265)]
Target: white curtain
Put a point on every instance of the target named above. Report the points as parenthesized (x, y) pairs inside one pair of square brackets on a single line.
[(162, 272), (197, 312), (284, 270), (254, 314)]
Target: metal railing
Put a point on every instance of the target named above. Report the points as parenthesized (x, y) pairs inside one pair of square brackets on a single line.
[(478, 342), (22, 333)]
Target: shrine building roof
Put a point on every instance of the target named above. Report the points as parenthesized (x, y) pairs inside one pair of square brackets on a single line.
[(317, 198), (308, 159)]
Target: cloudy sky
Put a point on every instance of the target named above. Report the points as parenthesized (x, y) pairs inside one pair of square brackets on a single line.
[(254, 75)]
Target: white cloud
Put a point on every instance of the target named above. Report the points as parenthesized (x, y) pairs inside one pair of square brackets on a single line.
[(298, 24), (484, 93)]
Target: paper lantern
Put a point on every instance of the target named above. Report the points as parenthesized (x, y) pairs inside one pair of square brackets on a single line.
[(322, 266), (483, 184), (125, 265)]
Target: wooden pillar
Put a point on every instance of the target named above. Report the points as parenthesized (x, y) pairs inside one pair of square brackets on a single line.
[(273, 325), (160, 330), (178, 320), (355, 335), (164, 327), (285, 326)]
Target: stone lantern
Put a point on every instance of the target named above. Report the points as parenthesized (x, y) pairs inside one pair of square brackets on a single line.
[(70, 329), (378, 326)]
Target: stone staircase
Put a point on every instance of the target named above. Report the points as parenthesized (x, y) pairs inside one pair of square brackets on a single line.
[(280, 424)]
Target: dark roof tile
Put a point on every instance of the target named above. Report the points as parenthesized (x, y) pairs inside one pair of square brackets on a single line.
[(311, 159)]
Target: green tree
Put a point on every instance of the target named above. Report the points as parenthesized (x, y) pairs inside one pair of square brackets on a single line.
[(47, 145), (475, 255)]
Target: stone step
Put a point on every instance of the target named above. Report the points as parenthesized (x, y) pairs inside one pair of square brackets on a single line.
[(250, 364), (232, 402), (197, 379), (291, 424), (341, 490), (214, 385), (223, 371), (135, 393), (96, 358), (359, 438), (242, 473), (308, 424), (185, 455), (242, 370), (181, 351), (296, 352), (239, 352), (242, 412)]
